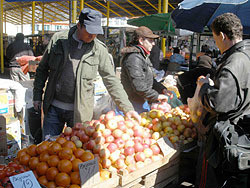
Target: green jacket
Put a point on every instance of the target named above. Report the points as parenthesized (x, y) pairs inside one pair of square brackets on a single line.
[(93, 61)]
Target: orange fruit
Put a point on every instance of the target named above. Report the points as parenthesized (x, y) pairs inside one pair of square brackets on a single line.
[(61, 140), (62, 179), (65, 153), (86, 156), (51, 184), (24, 159), (75, 178), (78, 152), (31, 150), (53, 160), (75, 164), (55, 148), (33, 162), (42, 180), (51, 173), (64, 166), (44, 156), (69, 144), (41, 168)]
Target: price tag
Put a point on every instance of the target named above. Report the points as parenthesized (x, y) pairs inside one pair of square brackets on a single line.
[(25, 180), (89, 173), (166, 146)]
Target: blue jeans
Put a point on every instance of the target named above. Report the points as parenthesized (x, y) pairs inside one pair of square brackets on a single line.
[(55, 120)]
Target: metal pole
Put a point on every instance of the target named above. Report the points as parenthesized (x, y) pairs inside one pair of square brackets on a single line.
[(33, 17), (159, 6), (81, 4), (43, 19), (74, 9), (163, 43), (21, 20), (1, 36), (70, 13), (108, 5)]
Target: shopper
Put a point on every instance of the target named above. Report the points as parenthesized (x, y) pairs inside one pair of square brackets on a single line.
[(186, 82), (136, 72), (17, 49), (177, 57), (70, 63), (228, 99)]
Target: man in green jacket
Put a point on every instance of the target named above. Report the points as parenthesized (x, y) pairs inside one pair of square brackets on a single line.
[(70, 63)]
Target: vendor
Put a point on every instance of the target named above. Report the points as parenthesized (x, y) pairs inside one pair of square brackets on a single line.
[(136, 72)]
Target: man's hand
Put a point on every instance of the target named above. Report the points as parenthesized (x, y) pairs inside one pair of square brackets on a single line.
[(135, 115), (37, 105)]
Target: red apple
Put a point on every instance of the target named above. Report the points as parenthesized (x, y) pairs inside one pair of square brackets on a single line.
[(90, 130), (148, 152), (97, 148), (120, 143), (129, 160), (112, 147), (106, 163), (120, 164), (129, 151), (111, 124), (100, 140), (138, 147), (91, 144), (122, 126), (109, 139), (84, 138), (129, 123), (156, 150), (67, 131), (96, 134), (117, 133), (140, 156), (106, 132), (104, 153), (109, 115)]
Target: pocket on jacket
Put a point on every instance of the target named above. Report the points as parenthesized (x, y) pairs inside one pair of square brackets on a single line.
[(90, 68)]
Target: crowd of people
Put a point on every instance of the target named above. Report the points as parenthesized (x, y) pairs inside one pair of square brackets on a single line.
[(64, 88)]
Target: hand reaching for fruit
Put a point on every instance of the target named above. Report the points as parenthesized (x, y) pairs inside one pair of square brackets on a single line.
[(133, 114)]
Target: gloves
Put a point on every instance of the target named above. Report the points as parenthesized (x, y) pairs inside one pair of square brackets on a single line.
[(37, 105)]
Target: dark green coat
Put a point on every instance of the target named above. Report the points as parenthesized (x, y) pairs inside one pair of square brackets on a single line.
[(93, 61)]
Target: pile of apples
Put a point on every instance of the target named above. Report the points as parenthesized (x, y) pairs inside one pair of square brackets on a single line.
[(176, 124), (120, 144)]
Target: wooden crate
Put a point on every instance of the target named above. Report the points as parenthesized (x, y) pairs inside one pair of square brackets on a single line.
[(110, 183), (145, 177)]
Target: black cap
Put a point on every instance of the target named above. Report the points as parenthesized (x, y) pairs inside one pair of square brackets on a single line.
[(91, 19)]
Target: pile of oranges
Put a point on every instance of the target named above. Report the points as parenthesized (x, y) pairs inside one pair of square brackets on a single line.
[(55, 164)]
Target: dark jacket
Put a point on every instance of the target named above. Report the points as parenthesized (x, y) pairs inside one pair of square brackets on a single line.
[(17, 49), (94, 60), (155, 57), (186, 82), (229, 95), (137, 76)]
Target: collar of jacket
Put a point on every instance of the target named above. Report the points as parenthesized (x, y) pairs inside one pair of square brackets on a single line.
[(143, 51), (238, 47), (95, 47)]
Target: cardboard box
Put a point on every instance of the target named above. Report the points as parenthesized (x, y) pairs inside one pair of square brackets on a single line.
[(7, 105), (10, 138)]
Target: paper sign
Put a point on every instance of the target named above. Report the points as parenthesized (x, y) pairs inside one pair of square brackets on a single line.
[(25, 180), (89, 173), (166, 146)]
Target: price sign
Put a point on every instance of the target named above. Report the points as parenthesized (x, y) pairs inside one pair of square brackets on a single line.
[(89, 173), (166, 146), (25, 180)]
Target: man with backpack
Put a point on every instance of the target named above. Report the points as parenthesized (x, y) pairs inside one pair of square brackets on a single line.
[(227, 105)]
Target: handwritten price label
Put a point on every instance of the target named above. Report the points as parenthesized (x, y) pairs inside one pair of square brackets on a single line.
[(24, 180), (89, 173), (165, 145)]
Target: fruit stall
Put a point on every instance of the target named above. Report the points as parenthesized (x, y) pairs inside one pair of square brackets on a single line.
[(112, 151)]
